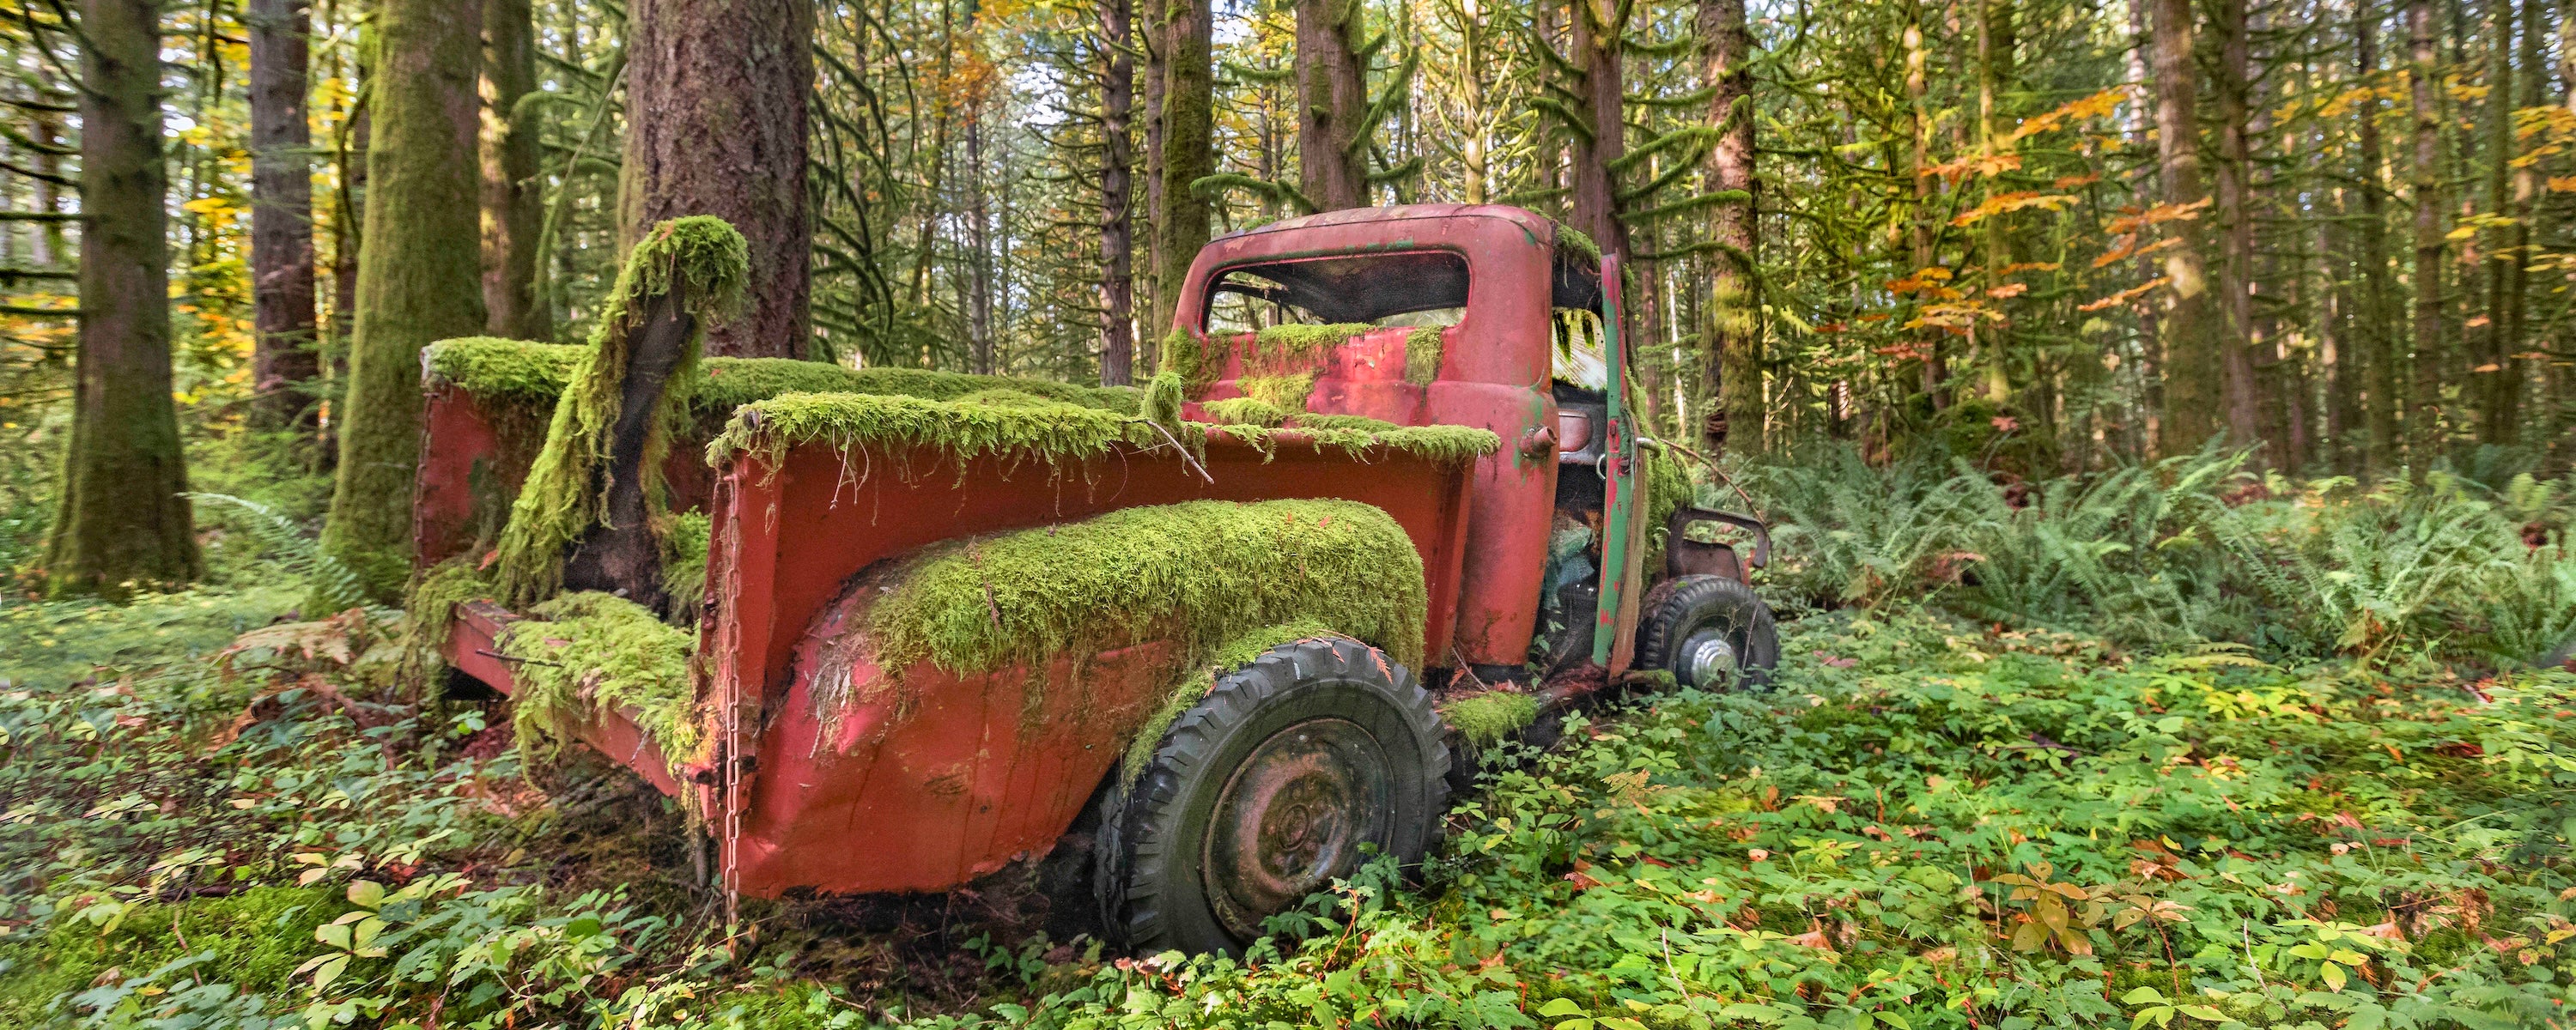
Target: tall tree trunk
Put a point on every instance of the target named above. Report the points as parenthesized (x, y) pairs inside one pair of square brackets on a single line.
[(50, 242), (285, 358), (2424, 421), (120, 519), (1188, 150), (1734, 324), (1117, 228), (715, 101), (419, 273), (2527, 212), (1332, 100), (514, 212), (2233, 92), (2191, 321), (2496, 375), (1936, 371), (1157, 44), (2381, 352), (1995, 71), (1597, 50), (979, 247)]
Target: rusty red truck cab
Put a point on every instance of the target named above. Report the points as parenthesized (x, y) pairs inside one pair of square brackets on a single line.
[(1408, 378)]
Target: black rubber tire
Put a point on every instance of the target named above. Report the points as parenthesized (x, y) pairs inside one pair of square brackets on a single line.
[(1697, 604), (1154, 827)]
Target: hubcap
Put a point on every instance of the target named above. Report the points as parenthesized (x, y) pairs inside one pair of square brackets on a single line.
[(1708, 659), (1291, 819)]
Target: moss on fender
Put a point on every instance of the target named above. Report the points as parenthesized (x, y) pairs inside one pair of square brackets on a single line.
[(585, 653), (1219, 570)]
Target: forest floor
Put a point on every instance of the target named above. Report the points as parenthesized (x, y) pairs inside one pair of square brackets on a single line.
[(1926, 823)]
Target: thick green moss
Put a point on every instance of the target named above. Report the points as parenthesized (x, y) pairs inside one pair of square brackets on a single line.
[(430, 608), (520, 372), (1484, 719), (587, 652), (566, 495), (1212, 570), (1422, 351), (1668, 487), (1017, 428), (1579, 243), (1245, 411), (256, 939), (1199, 677), (1357, 423), (1285, 392), (1164, 395), (684, 563)]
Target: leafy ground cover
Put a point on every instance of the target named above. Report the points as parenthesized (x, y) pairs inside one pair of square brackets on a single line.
[(1929, 822)]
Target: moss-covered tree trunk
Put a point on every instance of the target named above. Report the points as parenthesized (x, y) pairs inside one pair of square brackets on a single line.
[(284, 360), (1733, 314), (513, 197), (2424, 439), (1598, 50), (121, 518), (1188, 150), (715, 100), (1332, 105), (419, 273)]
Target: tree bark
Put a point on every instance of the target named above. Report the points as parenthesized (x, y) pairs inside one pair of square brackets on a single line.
[(120, 521), (1936, 373), (2381, 353), (715, 101), (284, 358), (2424, 432), (979, 245), (1597, 50), (2190, 321), (621, 553), (1117, 233), (419, 273), (1734, 324), (2495, 375), (1156, 40), (2237, 275), (514, 212), (1332, 102), (1188, 149)]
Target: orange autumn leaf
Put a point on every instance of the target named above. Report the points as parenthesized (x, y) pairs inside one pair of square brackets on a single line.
[(2007, 202), (2127, 295), (2008, 290), (2094, 106), (1974, 164), (2127, 247), (2156, 215)]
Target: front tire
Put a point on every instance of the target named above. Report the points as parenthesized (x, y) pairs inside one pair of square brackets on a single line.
[(1265, 791), (1710, 632)]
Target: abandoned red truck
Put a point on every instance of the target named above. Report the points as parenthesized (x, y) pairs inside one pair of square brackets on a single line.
[(1400, 511)]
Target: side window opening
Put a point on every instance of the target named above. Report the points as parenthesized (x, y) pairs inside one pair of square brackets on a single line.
[(1579, 345)]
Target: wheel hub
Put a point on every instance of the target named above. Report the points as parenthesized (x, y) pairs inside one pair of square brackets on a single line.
[(1291, 819), (1708, 659)]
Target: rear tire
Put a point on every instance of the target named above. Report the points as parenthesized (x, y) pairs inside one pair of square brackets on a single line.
[(1264, 792), (1712, 629)]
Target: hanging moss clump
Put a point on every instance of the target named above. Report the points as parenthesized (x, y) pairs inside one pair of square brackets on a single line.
[(566, 495), (589, 652), (1351, 423), (1576, 242), (1212, 571), (1485, 718), (685, 540), (1668, 487), (1185, 356), (1245, 411), (1422, 352), (429, 612)]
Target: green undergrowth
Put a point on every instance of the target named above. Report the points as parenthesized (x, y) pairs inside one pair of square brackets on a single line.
[(699, 260), (1486, 718), (252, 941), (1198, 574), (585, 653), (1197, 678)]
